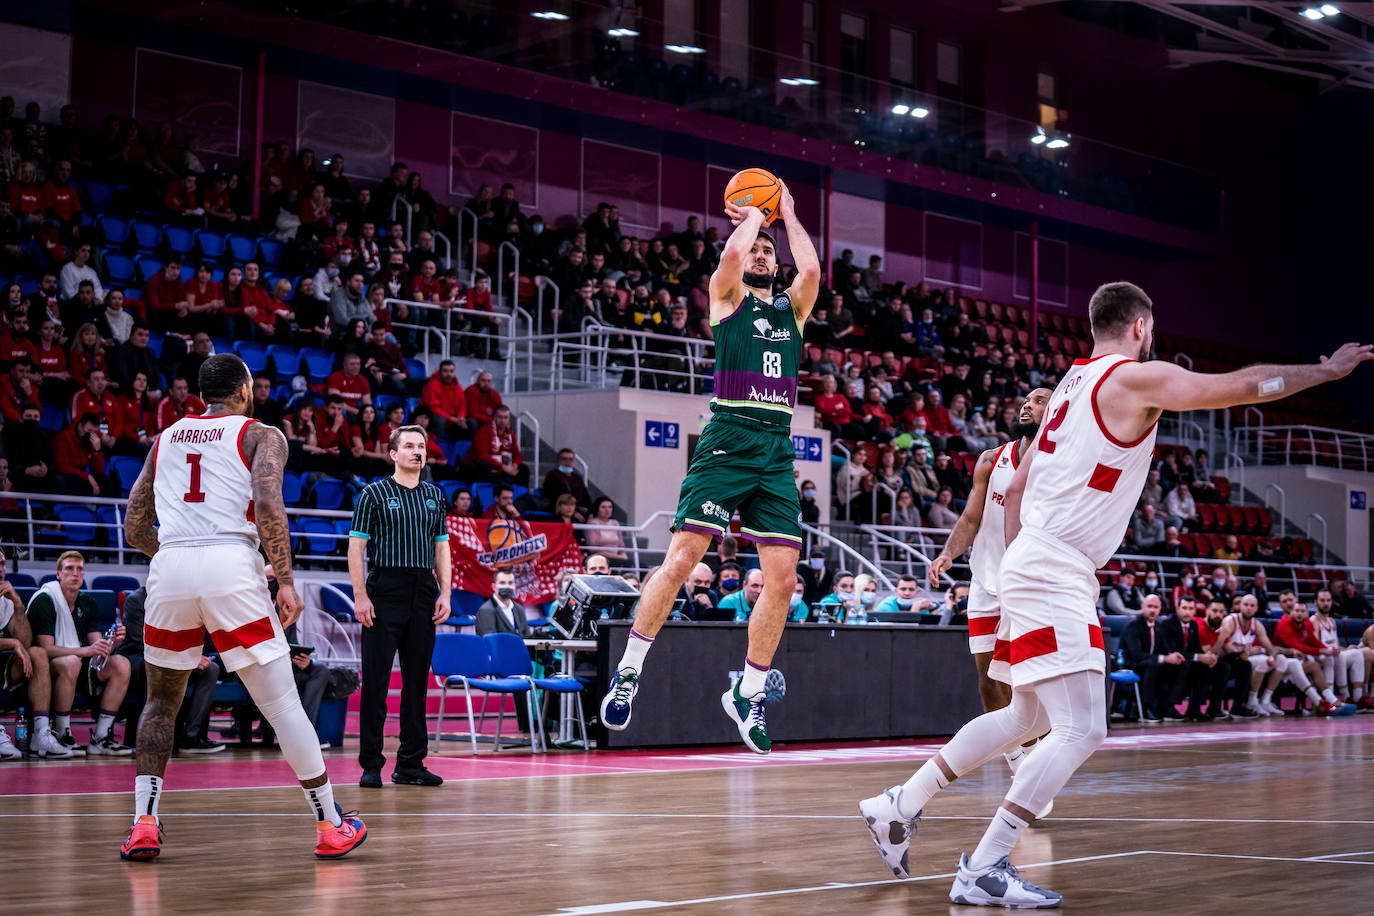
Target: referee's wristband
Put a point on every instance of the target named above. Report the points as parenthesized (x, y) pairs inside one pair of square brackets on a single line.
[(359, 534)]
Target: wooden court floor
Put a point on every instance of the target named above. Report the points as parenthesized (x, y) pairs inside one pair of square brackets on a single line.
[(1265, 824)]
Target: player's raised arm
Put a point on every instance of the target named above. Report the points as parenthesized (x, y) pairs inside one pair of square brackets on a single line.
[(1165, 386), (266, 447), (140, 515), (808, 263), (966, 529), (734, 257)]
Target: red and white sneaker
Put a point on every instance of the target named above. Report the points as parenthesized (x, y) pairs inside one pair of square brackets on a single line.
[(337, 842), (145, 840), (1365, 704)]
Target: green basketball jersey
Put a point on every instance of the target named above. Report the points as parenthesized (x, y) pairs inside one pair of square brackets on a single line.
[(758, 354)]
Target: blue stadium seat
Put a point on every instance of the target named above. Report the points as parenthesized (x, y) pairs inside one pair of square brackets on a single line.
[(335, 606), (111, 523), (99, 195), (54, 418), (383, 403), (416, 368), (78, 523), (106, 603), (253, 354), (241, 247), (483, 494), (115, 230), (329, 494), (318, 537), (148, 267), (21, 580), (179, 238), (271, 251), (147, 236), (450, 453), (212, 244), (119, 267), (286, 361), (116, 583), (319, 363), (217, 275), (450, 487), (291, 488), (125, 469), (221, 345)]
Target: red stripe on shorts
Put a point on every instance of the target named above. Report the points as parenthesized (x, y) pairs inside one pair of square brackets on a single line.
[(1001, 651), (244, 637), (173, 640), (1033, 645), (983, 626), (1095, 637)]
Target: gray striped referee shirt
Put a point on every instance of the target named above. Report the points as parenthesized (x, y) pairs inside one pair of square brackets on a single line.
[(401, 524)]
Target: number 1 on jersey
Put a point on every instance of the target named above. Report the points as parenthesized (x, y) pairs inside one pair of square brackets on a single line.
[(195, 494)]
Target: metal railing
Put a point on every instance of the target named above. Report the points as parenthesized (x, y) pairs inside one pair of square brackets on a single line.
[(396, 202), (462, 215), (501, 250), (447, 334), (1283, 506), (1307, 531), (1303, 445)]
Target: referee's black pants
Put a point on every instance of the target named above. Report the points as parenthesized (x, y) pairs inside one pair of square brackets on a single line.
[(403, 604)]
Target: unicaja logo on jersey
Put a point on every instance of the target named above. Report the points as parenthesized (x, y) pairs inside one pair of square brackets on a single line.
[(769, 397), (710, 508), (767, 332)]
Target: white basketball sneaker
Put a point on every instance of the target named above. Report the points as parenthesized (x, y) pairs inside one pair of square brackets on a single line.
[(999, 884), (45, 744), (891, 831), (7, 749)]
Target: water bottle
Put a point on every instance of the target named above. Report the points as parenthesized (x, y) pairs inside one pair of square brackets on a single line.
[(21, 730), (98, 663), (859, 616)]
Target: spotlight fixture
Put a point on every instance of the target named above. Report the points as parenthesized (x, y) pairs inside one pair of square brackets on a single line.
[(622, 33), (550, 14), (900, 109), (1039, 138), (799, 81), (685, 49), (1313, 13), (1330, 9), (1057, 143), (918, 111)]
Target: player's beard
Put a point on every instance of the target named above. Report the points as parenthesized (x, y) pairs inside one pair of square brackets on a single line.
[(1147, 349), (758, 281), (1025, 430)]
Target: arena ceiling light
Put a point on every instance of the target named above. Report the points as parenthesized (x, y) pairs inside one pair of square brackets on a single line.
[(550, 14), (1321, 12), (1039, 137), (684, 49), (799, 81), (916, 111), (1057, 143), (623, 33)]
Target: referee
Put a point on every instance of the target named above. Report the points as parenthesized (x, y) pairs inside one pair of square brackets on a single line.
[(399, 598)]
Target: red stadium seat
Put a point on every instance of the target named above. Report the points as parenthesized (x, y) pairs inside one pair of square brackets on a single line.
[(1252, 520), (980, 307), (1246, 543), (1266, 521), (1023, 338), (997, 311), (1207, 516), (1223, 487), (965, 305)]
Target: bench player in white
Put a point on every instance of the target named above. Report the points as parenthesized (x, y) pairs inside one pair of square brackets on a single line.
[(213, 485), (981, 526), (1066, 512), (1344, 667)]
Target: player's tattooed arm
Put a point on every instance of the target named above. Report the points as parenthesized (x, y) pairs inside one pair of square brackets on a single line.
[(266, 450), (966, 529), (140, 516)]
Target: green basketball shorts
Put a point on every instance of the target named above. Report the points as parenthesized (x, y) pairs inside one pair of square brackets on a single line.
[(741, 464)]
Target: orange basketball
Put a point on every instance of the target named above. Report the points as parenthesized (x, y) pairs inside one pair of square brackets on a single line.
[(755, 188)]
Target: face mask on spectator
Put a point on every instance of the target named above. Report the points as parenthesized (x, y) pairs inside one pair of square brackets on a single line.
[(1187, 581), (867, 598), (563, 470), (809, 494), (905, 603), (1219, 580), (818, 562), (506, 592), (1152, 583), (344, 259), (536, 228), (729, 583), (333, 271)]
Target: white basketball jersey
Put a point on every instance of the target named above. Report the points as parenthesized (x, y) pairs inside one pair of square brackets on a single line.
[(1326, 634), (1245, 637), (202, 487), (1084, 482), (991, 541)]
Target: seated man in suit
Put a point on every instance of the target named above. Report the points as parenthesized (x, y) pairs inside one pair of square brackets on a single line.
[(1151, 654), (1205, 677)]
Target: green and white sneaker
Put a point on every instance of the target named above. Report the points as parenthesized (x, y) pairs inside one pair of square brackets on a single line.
[(747, 714), (616, 705)]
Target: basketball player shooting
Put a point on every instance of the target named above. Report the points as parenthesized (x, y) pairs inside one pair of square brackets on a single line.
[(743, 460), (213, 486), (1066, 511), (981, 526)]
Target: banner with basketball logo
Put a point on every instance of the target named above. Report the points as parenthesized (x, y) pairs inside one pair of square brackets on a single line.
[(535, 551)]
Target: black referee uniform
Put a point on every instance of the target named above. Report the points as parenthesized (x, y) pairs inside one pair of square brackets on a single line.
[(401, 526)]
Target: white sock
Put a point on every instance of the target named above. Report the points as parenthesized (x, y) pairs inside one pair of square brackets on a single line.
[(103, 725), (1001, 836), (1266, 697), (751, 684), (321, 799), (1254, 699), (1326, 695), (64, 723), (41, 724), (1015, 756), (147, 793), (635, 649), (1357, 693), (921, 788)]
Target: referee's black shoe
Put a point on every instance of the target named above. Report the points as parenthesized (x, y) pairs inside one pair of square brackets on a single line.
[(372, 779), (416, 777)]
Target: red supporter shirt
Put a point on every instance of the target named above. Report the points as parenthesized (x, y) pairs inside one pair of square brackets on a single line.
[(879, 411), (26, 199), (133, 418), (83, 403), (482, 406), (73, 456), (12, 403), (937, 421), (433, 453), (13, 348), (62, 200), (255, 296), (353, 390), (328, 437), (447, 401), (479, 300), (834, 408), (496, 448), (424, 290), (83, 363), (162, 294), (168, 412), (1206, 636), (178, 199), (1302, 639), (215, 200), (209, 293), (51, 360)]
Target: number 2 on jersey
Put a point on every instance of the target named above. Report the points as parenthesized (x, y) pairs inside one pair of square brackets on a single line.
[(1046, 444), (195, 494), (772, 364)]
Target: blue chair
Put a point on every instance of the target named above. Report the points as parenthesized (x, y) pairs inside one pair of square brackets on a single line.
[(78, 523), (1125, 676), (111, 523), (416, 368), (383, 403), (465, 604), (119, 267), (318, 537), (221, 344), (148, 267), (99, 195), (286, 361), (336, 600), (116, 583), (147, 236), (291, 488), (484, 494), (460, 448), (329, 494), (115, 230), (241, 247), (271, 251), (125, 469), (54, 419), (463, 660), (450, 487), (212, 244), (319, 364), (450, 452), (179, 238), (22, 580), (253, 354), (511, 658)]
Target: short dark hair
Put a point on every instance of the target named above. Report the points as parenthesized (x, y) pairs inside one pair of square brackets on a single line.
[(398, 432), (504, 488), (1115, 306), (334, 399), (220, 377), (1288, 591), (88, 417), (907, 577), (764, 234), (446, 362)]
